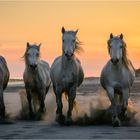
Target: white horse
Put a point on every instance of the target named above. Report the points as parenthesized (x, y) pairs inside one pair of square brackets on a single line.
[(36, 76), (4, 78), (117, 77), (66, 74)]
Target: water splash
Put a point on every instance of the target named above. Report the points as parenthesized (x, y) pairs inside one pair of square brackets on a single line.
[(93, 109)]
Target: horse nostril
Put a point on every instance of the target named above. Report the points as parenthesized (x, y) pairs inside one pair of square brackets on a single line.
[(33, 66), (117, 60), (114, 61), (68, 54), (72, 54)]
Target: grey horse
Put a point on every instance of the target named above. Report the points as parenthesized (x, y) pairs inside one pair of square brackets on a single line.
[(4, 78), (36, 76), (117, 77), (66, 74)]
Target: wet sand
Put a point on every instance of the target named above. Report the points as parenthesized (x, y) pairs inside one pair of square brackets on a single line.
[(39, 130), (87, 97)]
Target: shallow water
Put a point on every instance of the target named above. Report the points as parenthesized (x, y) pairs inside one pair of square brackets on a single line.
[(91, 107)]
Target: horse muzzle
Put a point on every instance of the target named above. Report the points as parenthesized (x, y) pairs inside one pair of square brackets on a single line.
[(114, 61), (33, 66), (68, 55)]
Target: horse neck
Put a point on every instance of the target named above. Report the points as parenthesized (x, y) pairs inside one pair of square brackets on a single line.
[(125, 62), (65, 62)]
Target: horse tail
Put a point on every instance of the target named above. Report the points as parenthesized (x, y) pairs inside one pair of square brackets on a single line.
[(74, 103)]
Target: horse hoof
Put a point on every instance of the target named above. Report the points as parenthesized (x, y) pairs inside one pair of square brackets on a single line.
[(69, 121), (42, 110), (2, 115), (123, 114), (60, 119), (5, 121), (32, 115), (116, 122)]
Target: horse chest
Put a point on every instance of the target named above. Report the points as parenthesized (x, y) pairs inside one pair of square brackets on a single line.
[(32, 83), (68, 78), (119, 79)]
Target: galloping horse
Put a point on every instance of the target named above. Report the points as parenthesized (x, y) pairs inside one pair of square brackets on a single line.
[(4, 78), (66, 74), (117, 77), (36, 76)]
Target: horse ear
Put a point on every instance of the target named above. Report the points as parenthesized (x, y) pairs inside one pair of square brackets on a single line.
[(76, 31), (28, 44), (111, 35), (121, 36), (63, 30), (39, 46)]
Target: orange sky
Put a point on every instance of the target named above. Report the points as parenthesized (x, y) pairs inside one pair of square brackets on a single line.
[(41, 22)]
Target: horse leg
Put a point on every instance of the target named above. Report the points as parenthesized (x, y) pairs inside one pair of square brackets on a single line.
[(125, 96), (118, 102), (60, 118), (2, 106), (30, 102), (71, 99), (42, 100), (47, 88), (115, 120)]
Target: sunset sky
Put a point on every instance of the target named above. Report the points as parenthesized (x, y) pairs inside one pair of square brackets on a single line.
[(41, 22)]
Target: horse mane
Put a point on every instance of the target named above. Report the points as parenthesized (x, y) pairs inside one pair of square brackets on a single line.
[(78, 47), (78, 43), (125, 60)]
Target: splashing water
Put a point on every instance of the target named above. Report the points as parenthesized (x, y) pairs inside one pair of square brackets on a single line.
[(97, 111), (93, 109)]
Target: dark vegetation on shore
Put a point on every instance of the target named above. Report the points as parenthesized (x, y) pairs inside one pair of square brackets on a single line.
[(137, 72)]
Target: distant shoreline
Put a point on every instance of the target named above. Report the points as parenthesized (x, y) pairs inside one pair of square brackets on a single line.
[(86, 78), (15, 80), (20, 79)]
